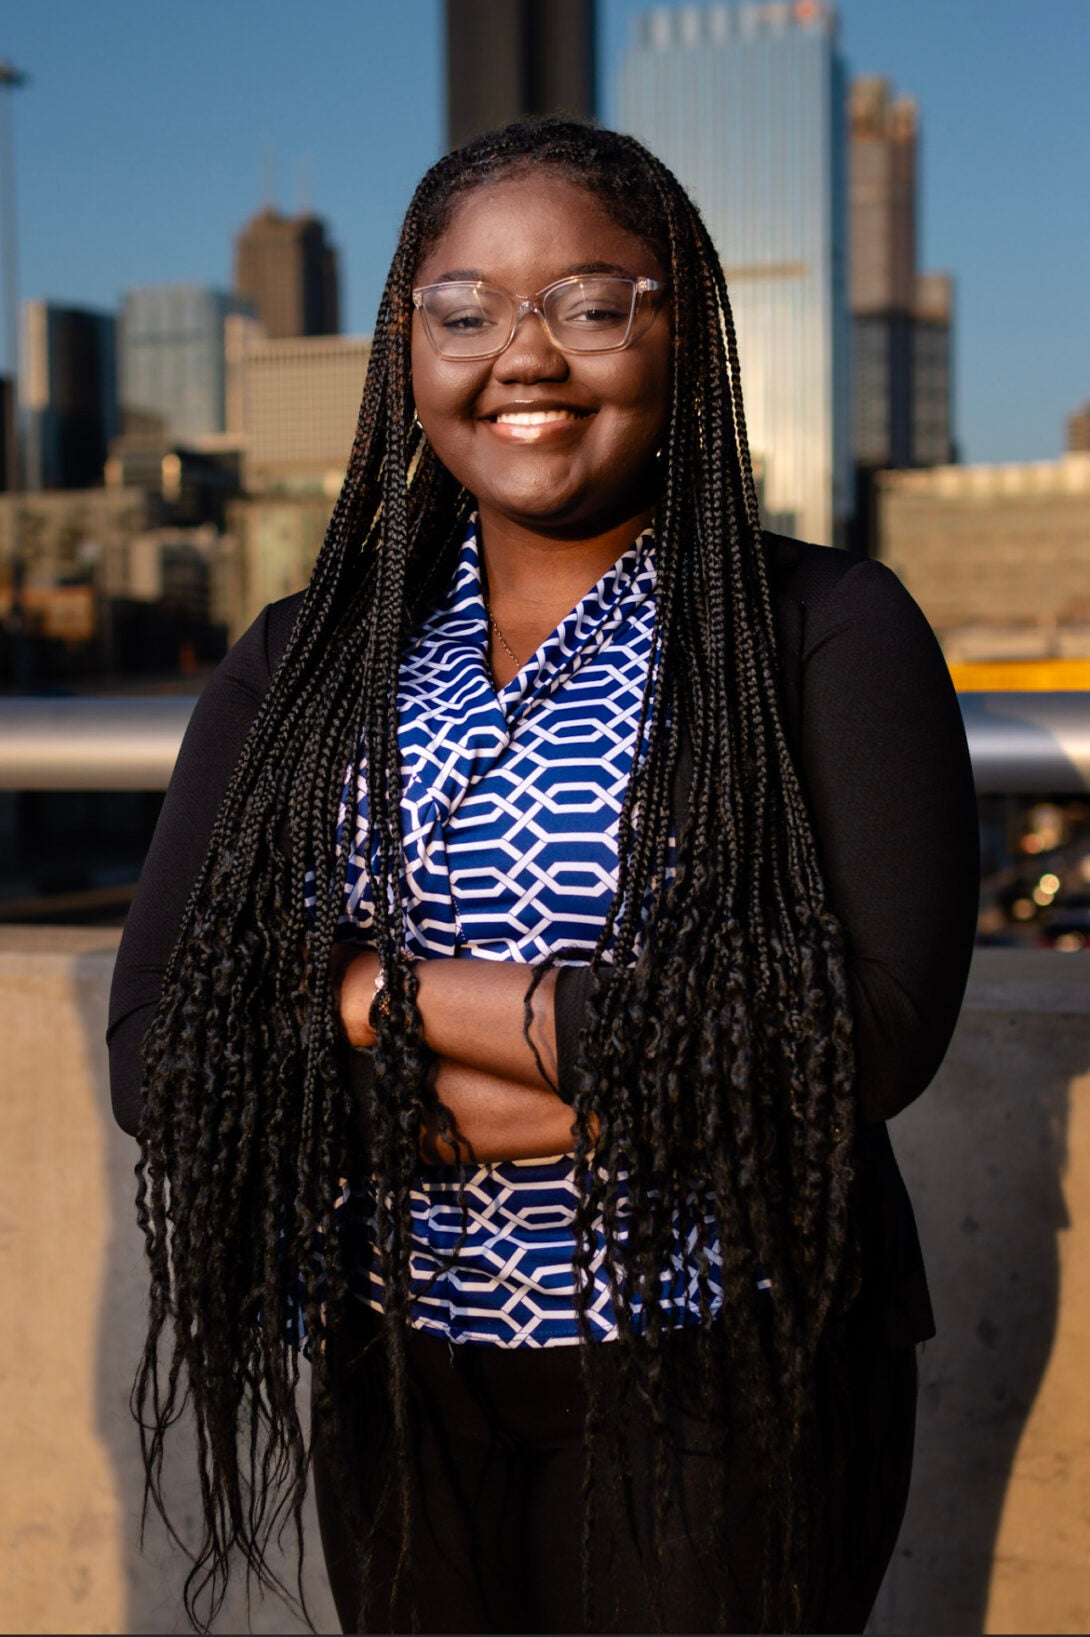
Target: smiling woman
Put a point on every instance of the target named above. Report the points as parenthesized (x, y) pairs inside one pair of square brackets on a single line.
[(532, 948), (554, 443)]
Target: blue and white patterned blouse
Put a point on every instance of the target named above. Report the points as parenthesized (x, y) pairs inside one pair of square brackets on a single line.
[(510, 807)]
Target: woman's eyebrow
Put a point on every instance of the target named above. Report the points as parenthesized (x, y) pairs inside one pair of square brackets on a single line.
[(599, 267), (473, 275)]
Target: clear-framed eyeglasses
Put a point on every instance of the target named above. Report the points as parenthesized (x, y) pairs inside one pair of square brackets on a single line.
[(586, 312)]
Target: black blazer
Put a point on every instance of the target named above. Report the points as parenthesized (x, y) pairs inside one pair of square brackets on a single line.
[(873, 721), (877, 733)]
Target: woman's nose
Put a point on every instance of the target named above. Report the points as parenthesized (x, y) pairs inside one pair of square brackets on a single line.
[(531, 353)]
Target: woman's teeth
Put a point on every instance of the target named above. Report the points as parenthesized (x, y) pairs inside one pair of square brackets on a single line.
[(534, 417)]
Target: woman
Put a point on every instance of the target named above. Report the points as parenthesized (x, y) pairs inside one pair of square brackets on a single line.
[(548, 1053)]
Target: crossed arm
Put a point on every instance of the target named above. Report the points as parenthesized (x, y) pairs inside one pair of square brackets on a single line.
[(473, 1011), (487, 1074)]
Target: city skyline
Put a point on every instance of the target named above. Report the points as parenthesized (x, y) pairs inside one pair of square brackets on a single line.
[(126, 178)]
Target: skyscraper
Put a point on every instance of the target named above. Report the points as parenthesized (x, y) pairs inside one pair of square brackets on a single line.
[(901, 319), (882, 198), (172, 359), (745, 103), (287, 269), (508, 58), (69, 392)]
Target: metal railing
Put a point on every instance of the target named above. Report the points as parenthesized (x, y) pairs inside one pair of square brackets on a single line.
[(1021, 743)]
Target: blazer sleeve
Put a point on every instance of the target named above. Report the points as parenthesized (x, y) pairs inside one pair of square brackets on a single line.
[(222, 717), (887, 773), (886, 770)]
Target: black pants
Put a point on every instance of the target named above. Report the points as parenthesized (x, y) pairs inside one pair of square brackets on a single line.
[(498, 1513)]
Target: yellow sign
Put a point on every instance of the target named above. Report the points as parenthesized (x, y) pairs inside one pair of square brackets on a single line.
[(1022, 676)]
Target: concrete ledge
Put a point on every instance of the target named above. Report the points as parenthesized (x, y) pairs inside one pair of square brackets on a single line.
[(996, 1156)]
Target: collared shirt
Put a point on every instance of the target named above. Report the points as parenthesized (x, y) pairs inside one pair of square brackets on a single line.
[(510, 806)]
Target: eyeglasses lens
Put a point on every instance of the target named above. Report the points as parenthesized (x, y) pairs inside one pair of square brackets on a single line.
[(470, 320)]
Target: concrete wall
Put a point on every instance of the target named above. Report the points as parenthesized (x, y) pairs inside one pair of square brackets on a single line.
[(997, 1156), (74, 1289)]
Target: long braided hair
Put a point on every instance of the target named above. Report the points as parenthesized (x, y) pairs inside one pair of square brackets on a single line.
[(715, 1063)]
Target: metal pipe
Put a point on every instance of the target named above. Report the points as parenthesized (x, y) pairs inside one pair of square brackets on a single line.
[(1021, 743), (1028, 744), (90, 744)]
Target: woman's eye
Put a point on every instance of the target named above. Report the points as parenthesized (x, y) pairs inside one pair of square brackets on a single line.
[(466, 321), (596, 314)]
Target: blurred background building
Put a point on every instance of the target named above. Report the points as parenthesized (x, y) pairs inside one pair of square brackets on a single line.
[(509, 58), (998, 557), (9, 441), (292, 406), (1078, 430), (746, 104), (172, 359), (902, 378), (69, 393), (286, 270)]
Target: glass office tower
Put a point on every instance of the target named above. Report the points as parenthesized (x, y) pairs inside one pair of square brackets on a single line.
[(171, 354), (746, 104)]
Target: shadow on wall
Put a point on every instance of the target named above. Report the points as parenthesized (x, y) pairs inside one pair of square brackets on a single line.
[(995, 1536), (153, 1578)]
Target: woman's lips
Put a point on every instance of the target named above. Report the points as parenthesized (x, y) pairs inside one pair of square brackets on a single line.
[(535, 425)]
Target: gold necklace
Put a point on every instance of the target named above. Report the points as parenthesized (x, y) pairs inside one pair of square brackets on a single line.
[(507, 648)]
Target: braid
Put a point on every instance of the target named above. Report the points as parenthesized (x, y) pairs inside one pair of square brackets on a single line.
[(715, 1068)]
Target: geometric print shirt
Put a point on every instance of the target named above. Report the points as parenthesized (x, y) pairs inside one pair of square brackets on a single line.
[(509, 809)]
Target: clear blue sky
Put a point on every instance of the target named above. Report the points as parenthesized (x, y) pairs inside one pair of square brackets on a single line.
[(148, 134)]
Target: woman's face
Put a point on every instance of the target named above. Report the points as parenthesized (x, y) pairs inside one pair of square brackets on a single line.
[(592, 468)]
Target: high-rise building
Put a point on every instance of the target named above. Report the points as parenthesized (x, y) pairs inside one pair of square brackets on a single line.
[(745, 103), (882, 198), (901, 319), (69, 392), (510, 58), (286, 268), (172, 359)]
